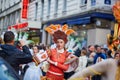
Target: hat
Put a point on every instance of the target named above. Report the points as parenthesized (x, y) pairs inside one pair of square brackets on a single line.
[(59, 32)]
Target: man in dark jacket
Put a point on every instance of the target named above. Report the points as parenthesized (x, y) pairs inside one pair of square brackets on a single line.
[(12, 54)]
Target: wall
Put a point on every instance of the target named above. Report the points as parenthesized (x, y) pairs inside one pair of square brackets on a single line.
[(97, 36)]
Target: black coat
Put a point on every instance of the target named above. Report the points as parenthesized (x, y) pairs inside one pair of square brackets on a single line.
[(14, 56)]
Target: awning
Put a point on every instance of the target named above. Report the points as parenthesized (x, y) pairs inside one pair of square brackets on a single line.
[(103, 15), (84, 20)]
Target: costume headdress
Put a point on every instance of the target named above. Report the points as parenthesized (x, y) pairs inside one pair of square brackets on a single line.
[(59, 32)]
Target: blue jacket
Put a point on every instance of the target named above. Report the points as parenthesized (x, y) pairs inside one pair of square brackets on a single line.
[(14, 56), (102, 55)]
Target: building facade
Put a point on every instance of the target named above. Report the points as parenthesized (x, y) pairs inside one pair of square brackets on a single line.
[(9, 12), (91, 19), (15, 14)]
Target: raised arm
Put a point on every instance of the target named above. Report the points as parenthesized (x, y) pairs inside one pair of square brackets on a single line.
[(98, 69)]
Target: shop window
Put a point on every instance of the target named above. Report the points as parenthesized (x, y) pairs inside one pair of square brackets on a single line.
[(102, 23), (36, 39), (107, 2), (34, 35), (81, 38)]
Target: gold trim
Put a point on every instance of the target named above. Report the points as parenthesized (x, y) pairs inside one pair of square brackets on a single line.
[(94, 71)]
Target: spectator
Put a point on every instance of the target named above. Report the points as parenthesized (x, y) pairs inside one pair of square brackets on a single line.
[(33, 72), (116, 56), (0, 41), (82, 61), (11, 54), (109, 69), (91, 55), (98, 57)]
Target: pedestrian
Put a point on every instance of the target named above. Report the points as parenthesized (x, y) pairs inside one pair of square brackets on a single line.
[(12, 54)]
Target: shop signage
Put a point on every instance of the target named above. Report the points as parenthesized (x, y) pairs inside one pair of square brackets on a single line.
[(18, 26), (24, 10), (107, 2)]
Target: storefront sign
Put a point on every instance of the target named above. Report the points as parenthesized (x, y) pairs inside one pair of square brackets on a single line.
[(24, 11), (107, 2), (18, 26)]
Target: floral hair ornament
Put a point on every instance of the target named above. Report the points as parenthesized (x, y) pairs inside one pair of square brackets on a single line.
[(59, 32)]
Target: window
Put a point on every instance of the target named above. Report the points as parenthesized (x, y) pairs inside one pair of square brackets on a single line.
[(64, 5), (31, 0), (83, 2), (49, 4), (13, 18), (42, 8), (0, 6), (93, 2), (56, 6), (11, 22), (4, 23), (36, 10), (8, 19)]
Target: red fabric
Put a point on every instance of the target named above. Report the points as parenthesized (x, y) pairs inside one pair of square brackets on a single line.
[(60, 58), (63, 67), (54, 77)]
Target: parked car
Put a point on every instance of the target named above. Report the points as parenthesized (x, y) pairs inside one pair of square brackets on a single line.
[(7, 72)]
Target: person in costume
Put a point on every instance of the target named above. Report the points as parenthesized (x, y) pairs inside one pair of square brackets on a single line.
[(113, 39), (33, 72), (109, 69), (59, 55)]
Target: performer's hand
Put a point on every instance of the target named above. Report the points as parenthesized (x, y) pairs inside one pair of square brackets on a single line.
[(52, 62)]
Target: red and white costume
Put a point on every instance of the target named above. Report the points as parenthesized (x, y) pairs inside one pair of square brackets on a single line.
[(57, 58), (56, 72)]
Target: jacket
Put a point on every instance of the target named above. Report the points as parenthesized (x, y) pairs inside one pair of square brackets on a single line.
[(14, 56)]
